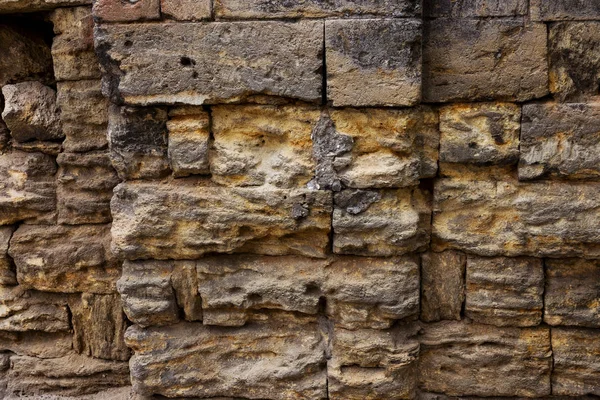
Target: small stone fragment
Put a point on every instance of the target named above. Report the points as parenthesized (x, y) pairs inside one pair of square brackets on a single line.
[(576, 359), (560, 10), (184, 280), (119, 11), (186, 10), (442, 285), (22, 311), (7, 268), (474, 8), (25, 56), (189, 140)]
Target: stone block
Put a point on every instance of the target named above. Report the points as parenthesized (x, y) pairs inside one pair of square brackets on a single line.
[(186, 10), (119, 11), (384, 53), (474, 8), (7, 268), (560, 10), (24, 311), (442, 285), (25, 55), (38, 344), (28, 6), (189, 140), (576, 362)]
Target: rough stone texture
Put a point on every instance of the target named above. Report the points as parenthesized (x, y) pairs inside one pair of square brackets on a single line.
[(65, 259), (275, 360), (556, 10), (7, 268), (185, 221), (137, 139), (84, 115), (386, 53), (30, 112), (576, 362), (22, 311), (463, 359), (263, 145), (99, 327), (85, 185), (373, 365), (186, 10), (16, 6), (574, 60), (381, 223), (494, 218), (189, 139), (184, 280), (27, 187), (380, 291), (572, 295), (480, 133), (560, 141), (442, 285), (125, 11), (504, 291), (259, 58), (488, 59), (37, 343), (25, 55), (474, 8), (241, 9)]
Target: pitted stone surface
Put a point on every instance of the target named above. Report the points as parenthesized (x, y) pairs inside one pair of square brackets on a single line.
[(576, 357), (474, 8), (556, 10), (189, 140)]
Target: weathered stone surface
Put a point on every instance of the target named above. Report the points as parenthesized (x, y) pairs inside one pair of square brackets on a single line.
[(119, 11), (381, 223), (504, 291), (25, 55), (85, 185), (27, 187), (574, 60), (212, 62), (470, 59), (442, 285), (65, 259), (68, 376), (84, 115), (572, 295), (379, 292), (50, 148), (7, 267), (186, 10), (30, 112), (184, 280), (576, 362), (182, 220), (508, 218), (73, 46), (474, 8), (99, 327), (137, 139), (263, 145), (480, 133), (16, 6), (22, 310), (386, 53), (189, 140), (241, 9), (560, 141), (557, 10), (263, 360), (37, 343), (374, 365), (462, 359)]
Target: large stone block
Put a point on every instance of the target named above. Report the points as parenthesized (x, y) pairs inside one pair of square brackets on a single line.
[(263, 145), (576, 362), (27, 187), (560, 10), (504, 291), (183, 220), (198, 63), (474, 8), (384, 53), (25, 55), (264, 360), (442, 285), (560, 141), (119, 11), (24, 311), (7, 268), (189, 140), (381, 222), (242, 9), (484, 59), (508, 218), (463, 359), (572, 295), (65, 259)]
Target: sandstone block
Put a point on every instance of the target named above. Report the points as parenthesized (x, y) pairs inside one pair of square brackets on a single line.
[(186, 10), (182, 63), (442, 285), (184, 221), (25, 55), (572, 295), (386, 53), (184, 280), (558, 10), (84, 115), (480, 133), (50, 148), (381, 223), (560, 141), (66, 259), (30, 112), (374, 365), (241, 9), (474, 8), (118, 11), (28, 6), (263, 145), (576, 362), (27, 187), (22, 311), (262, 360), (504, 291), (462, 359), (37, 343), (137, 139), (489, 59), (189, 141), (7, 267), (85, 185)]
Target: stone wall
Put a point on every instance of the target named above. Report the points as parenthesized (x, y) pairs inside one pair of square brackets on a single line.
[(269, 199)]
